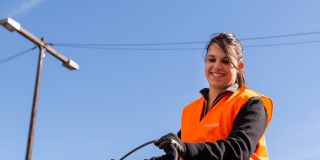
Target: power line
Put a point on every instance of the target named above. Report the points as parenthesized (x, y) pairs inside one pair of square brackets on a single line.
[(280, 36), (15, 56), (282, 44), (160, 49), (185, 43), (142, 44), (252, 46), (107, 48)]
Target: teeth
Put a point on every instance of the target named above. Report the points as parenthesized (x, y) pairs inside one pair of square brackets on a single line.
[(217, 75)]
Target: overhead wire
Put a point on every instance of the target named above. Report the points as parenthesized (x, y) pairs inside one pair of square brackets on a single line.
[(249, 46), (185, 43), (154, 49), (281, 44), (280, 36), (15, 56), (106, 46)]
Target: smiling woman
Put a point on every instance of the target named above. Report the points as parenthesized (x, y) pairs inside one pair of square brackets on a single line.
[(229, 120), (224, 64), (229, 47), (219, 73)]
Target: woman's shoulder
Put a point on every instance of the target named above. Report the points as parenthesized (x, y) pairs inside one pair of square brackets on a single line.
[(242, 95), (248, 93)]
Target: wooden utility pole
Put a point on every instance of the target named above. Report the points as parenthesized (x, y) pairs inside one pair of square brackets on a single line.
[(35, 104), (12, 25)]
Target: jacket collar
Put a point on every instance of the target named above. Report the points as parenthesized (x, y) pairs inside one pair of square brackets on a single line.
[(204, 92)]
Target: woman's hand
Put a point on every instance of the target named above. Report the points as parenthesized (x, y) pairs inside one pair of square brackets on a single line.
[(165, 141)]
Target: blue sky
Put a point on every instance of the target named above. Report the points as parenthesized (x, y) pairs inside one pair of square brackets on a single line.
[(120, 99)]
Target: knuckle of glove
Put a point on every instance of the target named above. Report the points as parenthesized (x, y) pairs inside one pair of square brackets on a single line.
[(164, 144), (163, 139)]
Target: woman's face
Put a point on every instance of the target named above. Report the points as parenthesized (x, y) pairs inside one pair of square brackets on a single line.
[(219, 71)]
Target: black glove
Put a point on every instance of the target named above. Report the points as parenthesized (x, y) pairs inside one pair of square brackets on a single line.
[(165, 141)]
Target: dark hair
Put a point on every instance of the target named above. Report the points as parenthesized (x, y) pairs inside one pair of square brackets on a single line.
[(230, 44)]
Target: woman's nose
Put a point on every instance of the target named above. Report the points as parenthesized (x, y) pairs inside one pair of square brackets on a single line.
[(217, 66)]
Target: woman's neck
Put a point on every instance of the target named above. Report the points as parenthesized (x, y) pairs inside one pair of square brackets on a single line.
[(213, 93)]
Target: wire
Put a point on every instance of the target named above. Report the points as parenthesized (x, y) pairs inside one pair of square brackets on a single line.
[(146, 44), (175, 152), (137, 149), (280, 36), (15, 56), (282, 44), (183, 43), (161, 49)]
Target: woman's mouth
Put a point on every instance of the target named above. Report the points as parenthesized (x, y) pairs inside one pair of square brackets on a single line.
[(217, 74)]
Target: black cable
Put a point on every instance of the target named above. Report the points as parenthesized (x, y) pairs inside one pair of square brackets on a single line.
[(281, 44), (136, 149), (15, 56), (175, 152), (280, 36), (252, 46), (183, 43), (161, 49), (142, 44)]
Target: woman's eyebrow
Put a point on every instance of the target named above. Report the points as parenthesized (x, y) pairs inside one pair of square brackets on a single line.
[(215, 56)]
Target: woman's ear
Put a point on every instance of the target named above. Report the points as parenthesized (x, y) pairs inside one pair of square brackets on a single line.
[(240, 66)]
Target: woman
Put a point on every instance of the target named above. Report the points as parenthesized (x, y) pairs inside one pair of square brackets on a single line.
[(229, 120)]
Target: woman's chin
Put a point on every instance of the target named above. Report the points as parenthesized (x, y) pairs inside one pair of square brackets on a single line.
[(219, 86)]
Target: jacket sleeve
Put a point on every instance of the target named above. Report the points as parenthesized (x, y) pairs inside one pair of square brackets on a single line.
[(166, 156), (249, 125)]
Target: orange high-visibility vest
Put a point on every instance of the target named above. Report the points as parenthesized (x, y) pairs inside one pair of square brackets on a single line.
[(218, 122)]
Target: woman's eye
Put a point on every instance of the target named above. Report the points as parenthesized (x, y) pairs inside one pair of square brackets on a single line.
[(212, 60), (225, 62)]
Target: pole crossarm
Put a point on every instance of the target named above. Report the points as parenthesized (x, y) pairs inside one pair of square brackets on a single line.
[(12, 25), (38, 42)]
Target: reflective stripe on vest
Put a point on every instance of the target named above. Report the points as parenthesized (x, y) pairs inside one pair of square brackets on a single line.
[(218, 122)]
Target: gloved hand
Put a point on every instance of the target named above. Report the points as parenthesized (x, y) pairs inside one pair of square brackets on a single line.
[(165, 141)]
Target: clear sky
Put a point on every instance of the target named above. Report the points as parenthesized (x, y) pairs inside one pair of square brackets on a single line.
[(120, 99)]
